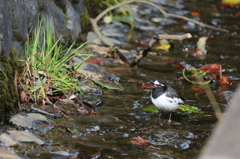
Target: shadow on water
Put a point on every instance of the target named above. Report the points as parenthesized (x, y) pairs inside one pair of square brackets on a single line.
[(122, 118)]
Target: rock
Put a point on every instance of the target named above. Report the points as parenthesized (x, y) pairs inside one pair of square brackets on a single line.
[(5, 153), (93, 38), (5, 27), (96, 72), (62, 153), (14, 137), (19, 17), (27, 120), (19, 24)]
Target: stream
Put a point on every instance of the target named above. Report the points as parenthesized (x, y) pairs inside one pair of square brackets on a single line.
[(122, 117)]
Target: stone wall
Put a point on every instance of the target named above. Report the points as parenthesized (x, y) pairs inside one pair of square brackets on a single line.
[(18, 17)]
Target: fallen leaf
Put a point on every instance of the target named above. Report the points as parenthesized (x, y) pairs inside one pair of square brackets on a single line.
[(107, 19), (94, 60), (164, 47), (140, 141), (197, 89), (151, 108), (225, 80), (237, 14), (201, 44), (148, 87), (197, 14), (212, 68), (23, 96), (95, 113), (142, 42), (237, 36), (231, 3), (189, 109), (178, 65)]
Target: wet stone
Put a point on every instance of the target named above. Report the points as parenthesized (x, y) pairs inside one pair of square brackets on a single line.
[(15, 137), (6, 153)]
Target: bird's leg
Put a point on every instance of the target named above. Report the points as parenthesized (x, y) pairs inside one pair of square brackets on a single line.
[(160, 114), (159, 118), (169, 120)]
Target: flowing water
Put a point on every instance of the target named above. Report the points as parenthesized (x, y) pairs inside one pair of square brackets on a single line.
[(122, 117)]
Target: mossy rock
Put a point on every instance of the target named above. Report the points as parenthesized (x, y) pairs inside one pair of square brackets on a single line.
[(8, 95)]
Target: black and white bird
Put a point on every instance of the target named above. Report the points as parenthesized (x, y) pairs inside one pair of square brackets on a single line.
[(165, 98)]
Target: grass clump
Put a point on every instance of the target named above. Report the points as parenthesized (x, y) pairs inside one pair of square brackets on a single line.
[(47, 71)]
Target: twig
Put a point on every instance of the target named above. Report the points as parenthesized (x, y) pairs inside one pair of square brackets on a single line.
[(155, 39), (213, 101), (55, 107), (174, 37)]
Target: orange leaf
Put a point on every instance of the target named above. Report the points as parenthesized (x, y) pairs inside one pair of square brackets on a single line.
[(148, 87), (140, 141), (237, 14), (178, 65), (197, 89), (195, 14), (95, 113), (225, 80), (212, 68)]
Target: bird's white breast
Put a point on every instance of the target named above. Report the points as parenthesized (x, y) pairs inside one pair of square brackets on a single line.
[(165, 103)]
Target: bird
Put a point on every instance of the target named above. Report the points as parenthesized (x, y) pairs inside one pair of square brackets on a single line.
[(165, 98)]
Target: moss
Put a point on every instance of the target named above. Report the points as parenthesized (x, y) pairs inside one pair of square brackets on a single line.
[(8, 95), (85, 23), (94, 7)]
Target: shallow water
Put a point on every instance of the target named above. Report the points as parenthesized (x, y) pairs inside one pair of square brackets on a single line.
[(122, 118)]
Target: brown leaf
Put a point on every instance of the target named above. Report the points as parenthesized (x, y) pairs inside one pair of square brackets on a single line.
[(23, 96), (94, 60), (140, 141), (142, 42), (212, 68), (237, 14), (178, 65), (225, 80), (95, 113)]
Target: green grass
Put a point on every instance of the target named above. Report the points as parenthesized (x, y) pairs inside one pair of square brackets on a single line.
[(47, 71)]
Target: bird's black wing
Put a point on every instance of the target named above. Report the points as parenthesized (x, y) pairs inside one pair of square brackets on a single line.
[(171, 93)]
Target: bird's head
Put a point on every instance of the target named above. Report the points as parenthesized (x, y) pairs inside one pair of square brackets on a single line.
[(159, 84)]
